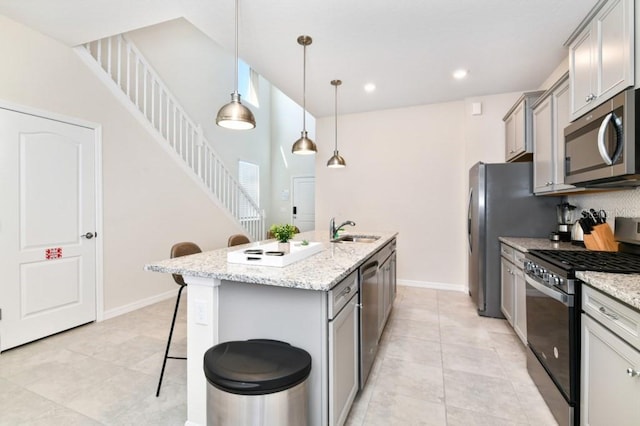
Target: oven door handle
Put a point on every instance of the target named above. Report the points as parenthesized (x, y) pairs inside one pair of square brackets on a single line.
[(563, 298)]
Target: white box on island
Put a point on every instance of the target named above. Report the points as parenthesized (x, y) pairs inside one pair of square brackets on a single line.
[(262, 255)]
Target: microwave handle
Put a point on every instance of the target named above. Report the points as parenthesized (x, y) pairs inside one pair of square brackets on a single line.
[(610, 118)]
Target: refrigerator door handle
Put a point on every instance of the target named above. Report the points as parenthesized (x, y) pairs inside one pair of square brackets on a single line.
[(469, 219)]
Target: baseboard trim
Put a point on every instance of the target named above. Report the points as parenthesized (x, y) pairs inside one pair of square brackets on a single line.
[(111, 313), (432, 285)]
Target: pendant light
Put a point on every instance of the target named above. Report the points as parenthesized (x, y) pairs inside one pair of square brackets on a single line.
[(336, 162), (304, 145), (234, 115)]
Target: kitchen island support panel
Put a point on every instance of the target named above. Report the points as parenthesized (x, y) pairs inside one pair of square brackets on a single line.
[(295, 316)]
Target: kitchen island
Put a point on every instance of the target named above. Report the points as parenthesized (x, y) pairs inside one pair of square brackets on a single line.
[(228, 301)]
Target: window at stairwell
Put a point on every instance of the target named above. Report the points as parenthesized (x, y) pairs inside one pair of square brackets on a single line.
[(249, 179), (248, 83)]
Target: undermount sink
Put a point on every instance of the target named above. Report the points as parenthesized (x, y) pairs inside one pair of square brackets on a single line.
[(356, 239)]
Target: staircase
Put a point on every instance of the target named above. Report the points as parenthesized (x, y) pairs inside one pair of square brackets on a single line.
[(123, 68)]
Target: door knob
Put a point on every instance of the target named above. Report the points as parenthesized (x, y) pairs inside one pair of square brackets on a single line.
[(89, 235)]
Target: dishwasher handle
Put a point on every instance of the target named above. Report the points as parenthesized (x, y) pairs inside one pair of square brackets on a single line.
[(369, 270)]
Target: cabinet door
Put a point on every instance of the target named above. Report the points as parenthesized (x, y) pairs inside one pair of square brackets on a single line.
[(510, 137), (560, 101), (520, 129), (614, 46), (609, 395), (520, 306), (506, 292), (343, 362), (581, 68), (543, 146)]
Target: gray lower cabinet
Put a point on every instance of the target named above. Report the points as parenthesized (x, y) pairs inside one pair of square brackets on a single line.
[(343, 362), (343, 348), (610, 362), (507, 290), (513, 288), (386, 284)]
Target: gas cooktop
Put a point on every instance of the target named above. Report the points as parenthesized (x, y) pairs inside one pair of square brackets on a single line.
[(597, 261)]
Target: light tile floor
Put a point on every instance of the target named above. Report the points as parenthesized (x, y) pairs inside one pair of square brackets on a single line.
[(439, 364)]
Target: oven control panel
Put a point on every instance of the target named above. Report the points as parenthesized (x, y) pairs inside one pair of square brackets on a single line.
[(547, 277)]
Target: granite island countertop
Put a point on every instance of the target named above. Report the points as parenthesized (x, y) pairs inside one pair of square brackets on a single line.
[(320, 271)]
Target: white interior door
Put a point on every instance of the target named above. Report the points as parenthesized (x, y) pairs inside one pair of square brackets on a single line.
[(47, 227), (304, 203)]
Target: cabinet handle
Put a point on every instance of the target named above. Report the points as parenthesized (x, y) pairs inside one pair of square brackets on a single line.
[(632, 373), (610, 315), (549, 183), (590, 97), (345, 291)]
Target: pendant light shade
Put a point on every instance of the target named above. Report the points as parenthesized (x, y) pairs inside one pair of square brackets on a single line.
[(234, 115), (337, 161), (304, 145)]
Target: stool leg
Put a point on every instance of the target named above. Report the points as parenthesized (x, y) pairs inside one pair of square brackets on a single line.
[(166, 352)]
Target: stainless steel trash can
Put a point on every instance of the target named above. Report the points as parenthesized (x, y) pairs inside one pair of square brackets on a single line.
[(257, 383)]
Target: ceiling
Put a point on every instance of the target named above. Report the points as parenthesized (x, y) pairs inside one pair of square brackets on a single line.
[(407, 48)]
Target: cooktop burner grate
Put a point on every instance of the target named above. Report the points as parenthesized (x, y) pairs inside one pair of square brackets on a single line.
[(599, 261)]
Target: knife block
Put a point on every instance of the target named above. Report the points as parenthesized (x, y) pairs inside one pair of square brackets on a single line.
[(601, 239)]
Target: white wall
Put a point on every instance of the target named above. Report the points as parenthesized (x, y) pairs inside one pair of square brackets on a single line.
[(200, 74), (405, 172), (149, 203), (285, 130)]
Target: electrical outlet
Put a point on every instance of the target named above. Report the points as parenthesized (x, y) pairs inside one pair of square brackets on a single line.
[(201, 312)]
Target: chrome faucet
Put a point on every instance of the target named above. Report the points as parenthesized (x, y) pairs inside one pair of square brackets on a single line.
[(333, 229)]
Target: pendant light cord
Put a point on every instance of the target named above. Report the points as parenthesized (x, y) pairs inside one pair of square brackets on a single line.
[(236, 68), (336, 111), (304, 88)]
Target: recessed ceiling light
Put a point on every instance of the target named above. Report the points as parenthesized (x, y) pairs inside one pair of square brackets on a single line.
[(460, 74), (369, 87)]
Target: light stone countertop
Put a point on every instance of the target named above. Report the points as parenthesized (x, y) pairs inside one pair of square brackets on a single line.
[(525, 244), (623, 287), (320, 271)]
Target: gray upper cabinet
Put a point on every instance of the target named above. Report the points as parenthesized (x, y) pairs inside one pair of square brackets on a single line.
[(550, 117), (601, 55), (518, 128)]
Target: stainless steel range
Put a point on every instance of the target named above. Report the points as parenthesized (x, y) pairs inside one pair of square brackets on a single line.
[(553, 314)]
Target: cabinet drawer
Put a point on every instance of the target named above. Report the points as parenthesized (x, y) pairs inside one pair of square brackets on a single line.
[(518, 258), (340, 294), (622, 320), (506, 252)]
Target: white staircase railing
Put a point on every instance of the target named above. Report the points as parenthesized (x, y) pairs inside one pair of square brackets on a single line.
[(132, 75)]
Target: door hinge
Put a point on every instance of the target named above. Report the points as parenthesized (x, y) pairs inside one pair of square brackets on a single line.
[(0, 314)]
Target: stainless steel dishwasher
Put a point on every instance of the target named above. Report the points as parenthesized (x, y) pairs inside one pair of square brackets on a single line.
[(368, 317)]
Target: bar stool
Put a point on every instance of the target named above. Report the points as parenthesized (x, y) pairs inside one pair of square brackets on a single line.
[(237, 239), (179, 249)]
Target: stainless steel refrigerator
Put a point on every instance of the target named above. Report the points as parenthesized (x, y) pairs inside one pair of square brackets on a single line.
[(501, 204)]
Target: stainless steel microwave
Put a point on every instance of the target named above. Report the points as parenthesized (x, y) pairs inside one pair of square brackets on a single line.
[(600, 146)]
